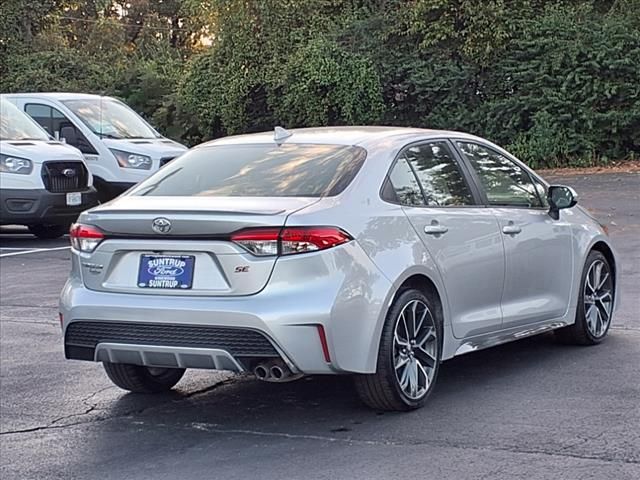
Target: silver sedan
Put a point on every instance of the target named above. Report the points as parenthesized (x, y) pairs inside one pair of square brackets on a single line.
[(373, 251)]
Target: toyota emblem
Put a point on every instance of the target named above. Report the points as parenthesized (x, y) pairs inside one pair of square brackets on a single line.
[(69, 172), (161, 225)]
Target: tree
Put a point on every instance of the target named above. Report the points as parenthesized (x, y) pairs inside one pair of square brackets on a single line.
[(554, 80)]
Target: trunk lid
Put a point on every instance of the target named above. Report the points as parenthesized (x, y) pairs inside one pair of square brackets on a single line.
[(199, 229)]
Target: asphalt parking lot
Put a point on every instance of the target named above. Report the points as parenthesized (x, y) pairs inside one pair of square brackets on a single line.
[(532, 409)]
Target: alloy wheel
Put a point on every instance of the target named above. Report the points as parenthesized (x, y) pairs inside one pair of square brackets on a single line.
[(598, 298), (415, 349)]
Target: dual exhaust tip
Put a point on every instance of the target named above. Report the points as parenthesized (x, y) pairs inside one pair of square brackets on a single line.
[(274, 371)]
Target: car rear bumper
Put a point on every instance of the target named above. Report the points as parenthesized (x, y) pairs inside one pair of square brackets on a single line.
[(160, 344), (39, 206), (282, 320)]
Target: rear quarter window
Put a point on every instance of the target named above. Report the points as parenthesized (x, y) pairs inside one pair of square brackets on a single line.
[(257, 171)]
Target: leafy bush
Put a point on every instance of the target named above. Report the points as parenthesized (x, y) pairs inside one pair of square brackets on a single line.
[(570, 79), (322, 84), (556, 81), (60, 70)]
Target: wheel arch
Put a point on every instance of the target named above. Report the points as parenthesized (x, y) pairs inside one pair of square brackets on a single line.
[(600, 244), (426, 285), (422, 281), (607, 251), (576, 331)]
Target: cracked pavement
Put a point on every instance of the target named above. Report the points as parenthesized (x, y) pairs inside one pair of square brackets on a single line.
[(532, 409)]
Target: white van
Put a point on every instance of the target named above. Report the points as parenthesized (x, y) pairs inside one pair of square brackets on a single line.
[(120, 148), (44, 184)]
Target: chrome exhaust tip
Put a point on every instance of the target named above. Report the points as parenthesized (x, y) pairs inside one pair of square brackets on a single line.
[(261, 372), (277, 372)]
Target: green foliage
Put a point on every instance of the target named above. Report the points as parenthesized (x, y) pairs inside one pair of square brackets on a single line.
[(572, 76), (556, 81), (45, 71), (148, 87), (471, 28), (544, 144), (323, 84)]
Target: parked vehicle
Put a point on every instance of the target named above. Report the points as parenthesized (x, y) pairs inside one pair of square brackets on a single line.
[(120, 148), (44, 184), (372, 251)]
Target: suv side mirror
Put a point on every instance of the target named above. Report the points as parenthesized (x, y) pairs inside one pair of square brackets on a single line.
[(560, 197)]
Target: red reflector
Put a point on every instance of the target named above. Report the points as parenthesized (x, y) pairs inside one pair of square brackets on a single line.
[(323, 342)]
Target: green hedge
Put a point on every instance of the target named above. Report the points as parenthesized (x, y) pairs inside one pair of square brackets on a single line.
[(557, 82)]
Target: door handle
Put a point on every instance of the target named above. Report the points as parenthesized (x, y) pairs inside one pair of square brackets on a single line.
[(511, 229), (435, 229)]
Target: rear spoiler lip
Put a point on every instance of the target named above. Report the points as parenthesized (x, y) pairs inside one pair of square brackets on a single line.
[(93, 218), (187, 212), (169, 237)]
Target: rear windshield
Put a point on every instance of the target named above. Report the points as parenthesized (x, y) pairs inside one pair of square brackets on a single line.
[(257, 171)]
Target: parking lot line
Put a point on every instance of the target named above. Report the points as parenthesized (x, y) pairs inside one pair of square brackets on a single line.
[(33, 250)]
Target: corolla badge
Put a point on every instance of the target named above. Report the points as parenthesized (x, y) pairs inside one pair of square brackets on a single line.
[(166, 267), (161, 225)]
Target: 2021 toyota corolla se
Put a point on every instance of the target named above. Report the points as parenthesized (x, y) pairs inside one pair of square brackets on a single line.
[(372, 251)]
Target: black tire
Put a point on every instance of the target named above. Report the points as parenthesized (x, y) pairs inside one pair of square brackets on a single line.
[(104, 190), (105, 194), (382, 390), (579, 333), (48, 232), (139, 379)]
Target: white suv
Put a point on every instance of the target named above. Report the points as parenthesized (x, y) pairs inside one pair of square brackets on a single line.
[(44, 184), (120, 147)]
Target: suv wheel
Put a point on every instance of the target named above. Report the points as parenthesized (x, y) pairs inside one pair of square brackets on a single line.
[(48, 232), (140, 379), (408, 357)]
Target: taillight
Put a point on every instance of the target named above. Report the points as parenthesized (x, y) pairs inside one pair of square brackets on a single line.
[(259, 241), (289, 240), (310, 239), (85, 238)]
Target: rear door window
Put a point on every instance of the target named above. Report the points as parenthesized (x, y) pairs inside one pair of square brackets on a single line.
[(257, 171), (402, 185), (439, 174)]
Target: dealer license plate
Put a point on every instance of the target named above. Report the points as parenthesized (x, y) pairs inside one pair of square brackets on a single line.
[(166, 271)]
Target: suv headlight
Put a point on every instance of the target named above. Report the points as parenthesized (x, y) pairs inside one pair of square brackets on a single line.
[(21, 166), (132, 160)]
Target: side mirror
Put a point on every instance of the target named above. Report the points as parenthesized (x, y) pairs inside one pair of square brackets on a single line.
[(560, 197)]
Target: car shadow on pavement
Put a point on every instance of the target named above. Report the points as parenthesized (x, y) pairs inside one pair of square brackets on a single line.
[(517, 397), (329, 404)]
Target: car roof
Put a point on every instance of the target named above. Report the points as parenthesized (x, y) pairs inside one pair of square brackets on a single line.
[(354, 135), (55, 95)]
